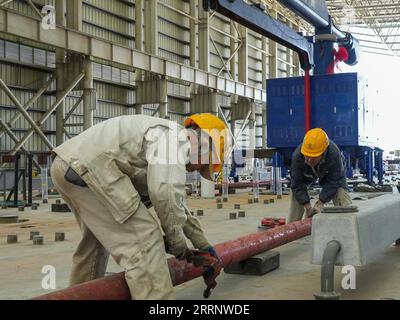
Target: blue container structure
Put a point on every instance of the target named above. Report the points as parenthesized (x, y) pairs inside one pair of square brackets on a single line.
[(339, 105)]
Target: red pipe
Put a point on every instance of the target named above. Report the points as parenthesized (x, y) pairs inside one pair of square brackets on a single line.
[(307, 97), (232, 251)]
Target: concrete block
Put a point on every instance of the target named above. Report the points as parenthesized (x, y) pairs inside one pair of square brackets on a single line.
[(233, 215), (38, 240), (349, 209), (200, 213), (21, 208), (34, 233), (224, 199), (237, 206), (362, 234), (266, 201), (242, 214), (60, 207), (12, 238), (59, 236), (257, 265), (219, 206)]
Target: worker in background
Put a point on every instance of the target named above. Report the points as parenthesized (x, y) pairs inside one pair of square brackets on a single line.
[(110, 175), (317, 158)]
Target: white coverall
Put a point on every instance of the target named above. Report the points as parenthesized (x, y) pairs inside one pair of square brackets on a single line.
[(116, 159)]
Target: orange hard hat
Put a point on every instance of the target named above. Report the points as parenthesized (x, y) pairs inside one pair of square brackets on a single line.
[(315, 143), (216, 129)]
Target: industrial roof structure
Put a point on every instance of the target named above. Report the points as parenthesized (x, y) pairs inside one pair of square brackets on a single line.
[(376, 23)]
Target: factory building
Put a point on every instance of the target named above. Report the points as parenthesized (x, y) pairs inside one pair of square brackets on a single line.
[(270, 72)]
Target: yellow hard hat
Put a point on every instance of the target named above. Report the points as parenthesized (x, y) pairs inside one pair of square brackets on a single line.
[(216, 129), (315, 143)]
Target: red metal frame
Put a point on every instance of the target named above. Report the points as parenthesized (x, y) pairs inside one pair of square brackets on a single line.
[(307, 96)]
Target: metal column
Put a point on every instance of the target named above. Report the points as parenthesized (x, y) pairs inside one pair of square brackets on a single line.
[(193, 33), (204, 42), (349, 168), (17, 157), (273, 49), (276, 185), (264, 65), (369, 165), (243, 71), (163, 108), (233, 48), (151, 26), (61, 13), (379, 164), (29, 173), (264, 69), (139, 25), (89, 95)]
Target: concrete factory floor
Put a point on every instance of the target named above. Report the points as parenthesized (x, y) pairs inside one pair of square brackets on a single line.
[(21, 264)]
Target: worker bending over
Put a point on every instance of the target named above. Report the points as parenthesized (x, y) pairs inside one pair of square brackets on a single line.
[(317, 158), (110, 175)]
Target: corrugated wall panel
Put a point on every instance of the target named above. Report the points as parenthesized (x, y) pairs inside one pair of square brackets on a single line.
[(114, 6), (26, 54), (220, 22), (109, 20), (255, 59), (107, 35), (173, 34), (178, 105)]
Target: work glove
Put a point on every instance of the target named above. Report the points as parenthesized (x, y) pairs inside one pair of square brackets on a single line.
[(212, 265), (309, 210), (177, 249), (319, 205), (212, 251), (187, 254)]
